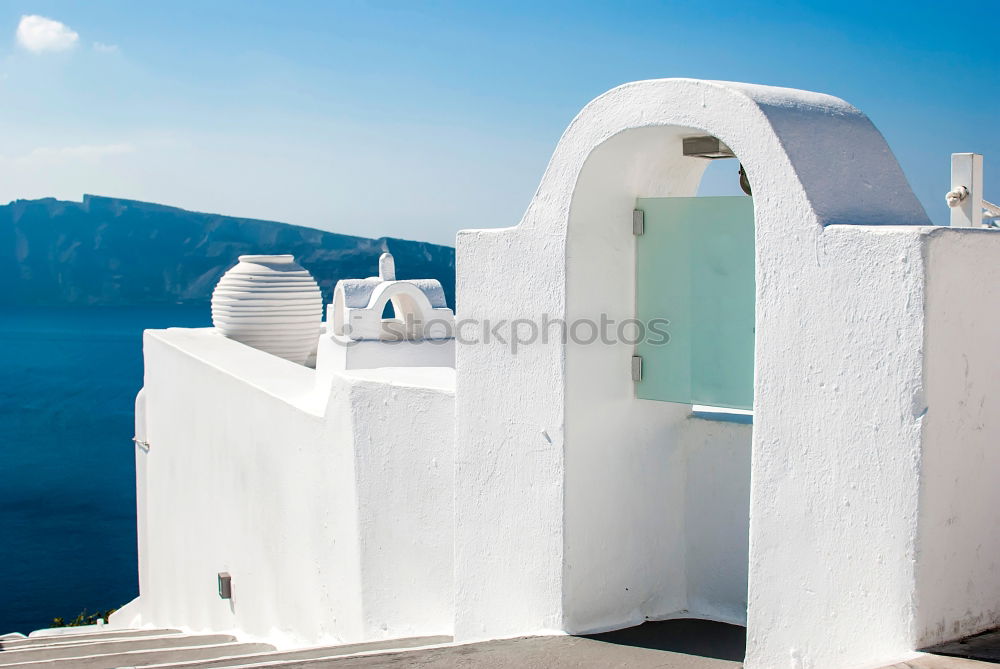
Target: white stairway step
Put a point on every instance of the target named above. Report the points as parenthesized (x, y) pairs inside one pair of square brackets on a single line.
[(80, 647), (143, 658), (37, 641), (87, 645), (314, 653), (60, 631)]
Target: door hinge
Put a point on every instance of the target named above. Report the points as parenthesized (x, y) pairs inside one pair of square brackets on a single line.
[(637, 368), (638, 222)]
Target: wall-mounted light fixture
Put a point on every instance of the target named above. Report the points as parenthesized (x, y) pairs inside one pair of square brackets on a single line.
[(225, 585), (706, 147), (712, 148)]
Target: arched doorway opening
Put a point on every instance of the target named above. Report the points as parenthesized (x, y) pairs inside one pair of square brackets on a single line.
[(656, 497)]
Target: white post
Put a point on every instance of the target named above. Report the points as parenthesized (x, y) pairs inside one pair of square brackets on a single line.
[(967, 173), (387, 266)]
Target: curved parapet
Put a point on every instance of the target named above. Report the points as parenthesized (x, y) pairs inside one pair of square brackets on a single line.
[(808, 155)]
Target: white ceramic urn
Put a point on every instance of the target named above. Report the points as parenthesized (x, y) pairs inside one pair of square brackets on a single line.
[(270, 303)]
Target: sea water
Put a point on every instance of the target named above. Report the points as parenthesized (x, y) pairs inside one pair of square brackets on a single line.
[(68, 380)]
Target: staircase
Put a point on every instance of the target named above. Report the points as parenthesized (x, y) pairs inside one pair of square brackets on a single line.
[(100, 648)]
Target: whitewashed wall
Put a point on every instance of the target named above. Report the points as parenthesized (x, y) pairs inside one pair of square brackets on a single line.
[(625, 463), (834, 482), (404, 470), (716, 518), (558, 511), (958, 544), (329, 504), (854, 522)]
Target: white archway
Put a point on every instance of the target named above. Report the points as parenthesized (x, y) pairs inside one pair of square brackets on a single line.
[(533, 426)]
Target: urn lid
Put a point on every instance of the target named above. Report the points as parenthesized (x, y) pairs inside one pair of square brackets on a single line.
[(279, 258)]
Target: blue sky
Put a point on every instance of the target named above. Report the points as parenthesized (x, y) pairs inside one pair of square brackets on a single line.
[(417, 119)]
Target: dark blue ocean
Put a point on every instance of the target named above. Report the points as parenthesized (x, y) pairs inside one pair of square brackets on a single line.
[(68, 379)]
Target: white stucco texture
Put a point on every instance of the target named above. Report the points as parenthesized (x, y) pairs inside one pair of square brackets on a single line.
[(477, 489), (958, 543), (577, 505), (329, 503)]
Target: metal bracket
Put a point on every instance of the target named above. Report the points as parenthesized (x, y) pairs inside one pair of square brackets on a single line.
[(144, 445), (638, 222), (637, 368)]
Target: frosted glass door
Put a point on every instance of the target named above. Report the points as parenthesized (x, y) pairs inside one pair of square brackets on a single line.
[(695, 268)]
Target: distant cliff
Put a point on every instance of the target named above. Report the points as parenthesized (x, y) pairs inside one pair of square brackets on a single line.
[(106, 251)]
